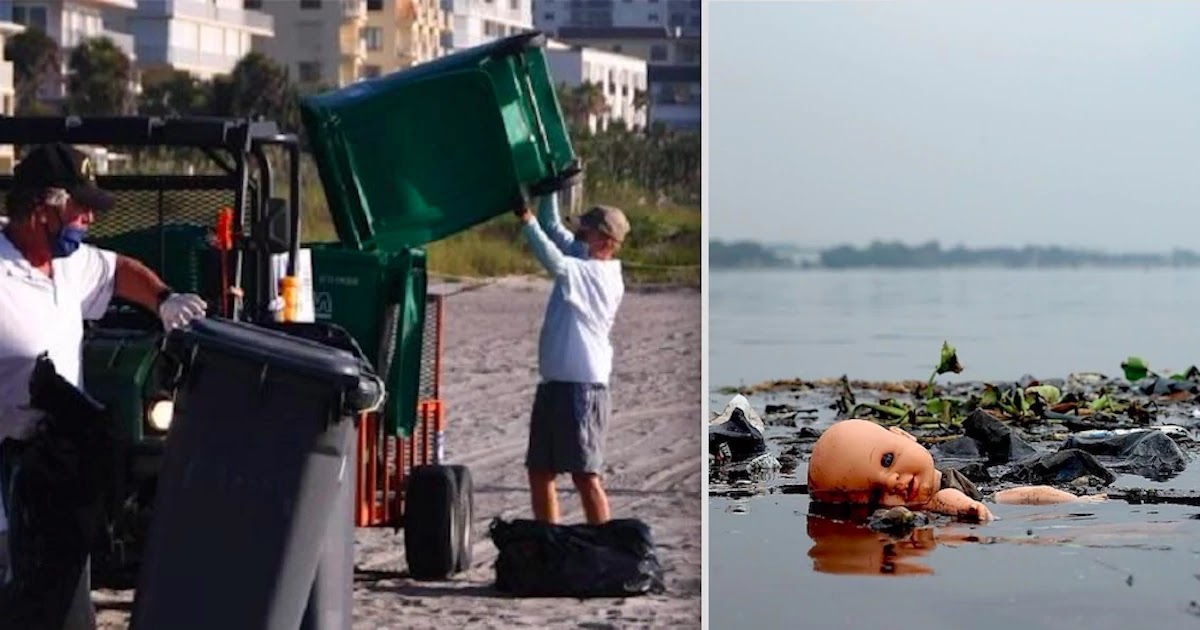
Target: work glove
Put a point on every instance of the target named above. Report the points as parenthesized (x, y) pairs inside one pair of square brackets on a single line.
[(180, 308)]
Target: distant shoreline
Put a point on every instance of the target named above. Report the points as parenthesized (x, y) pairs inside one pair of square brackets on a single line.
[(880, 255)]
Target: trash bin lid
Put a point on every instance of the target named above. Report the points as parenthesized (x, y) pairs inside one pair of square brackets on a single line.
[(341, 369)]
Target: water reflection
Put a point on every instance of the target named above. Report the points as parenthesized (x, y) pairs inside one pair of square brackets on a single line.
[(848, 548)]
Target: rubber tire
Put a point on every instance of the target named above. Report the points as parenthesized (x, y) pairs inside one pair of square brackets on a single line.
[(464, 532), (430, 523)]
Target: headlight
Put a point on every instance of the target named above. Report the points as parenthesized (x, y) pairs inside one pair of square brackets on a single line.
[(160, 413)]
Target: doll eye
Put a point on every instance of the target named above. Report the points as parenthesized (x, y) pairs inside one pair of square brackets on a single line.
[(887, 460)]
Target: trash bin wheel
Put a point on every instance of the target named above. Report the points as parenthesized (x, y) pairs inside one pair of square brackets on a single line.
[(566, 179), (466, 516), (431, 523)]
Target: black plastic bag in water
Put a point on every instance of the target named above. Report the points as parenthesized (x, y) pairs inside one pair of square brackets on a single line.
[(616, 559)]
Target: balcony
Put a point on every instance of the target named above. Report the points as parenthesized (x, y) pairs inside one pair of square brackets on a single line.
[(351, 45), (255, 22), (194, 60), (112, 4), (123, 41), (354, 10), (6, 79)]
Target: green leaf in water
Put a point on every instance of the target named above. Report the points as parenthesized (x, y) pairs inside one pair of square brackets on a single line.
[(1190, 374), (1135, 368), (1050, 394), (949, 360), (1101, 403)]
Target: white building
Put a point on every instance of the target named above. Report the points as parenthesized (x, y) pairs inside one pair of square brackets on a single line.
[(475, 22), (619, 76), (204, 37), (319, 43), (665, 33), (8, 97), (69, 23)]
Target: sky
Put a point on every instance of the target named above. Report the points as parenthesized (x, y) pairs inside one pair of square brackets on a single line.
[(994, 123)]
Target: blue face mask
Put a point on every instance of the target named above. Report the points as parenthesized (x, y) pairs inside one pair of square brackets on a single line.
[(69, 238)]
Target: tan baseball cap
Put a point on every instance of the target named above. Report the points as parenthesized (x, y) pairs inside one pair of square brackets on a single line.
[(610, 221)]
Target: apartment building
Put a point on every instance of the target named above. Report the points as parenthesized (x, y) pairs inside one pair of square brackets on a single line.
[(684, 15), (475, 22), (665, 33), (620, 78), (8, 97), (402, 33), (332, 43), (204, 37), (318, 42)]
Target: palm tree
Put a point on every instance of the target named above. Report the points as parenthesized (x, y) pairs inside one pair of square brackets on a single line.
[(100, 80), (36, 62)]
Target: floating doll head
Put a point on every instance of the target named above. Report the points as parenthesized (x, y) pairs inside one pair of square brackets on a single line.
[(858, 461)]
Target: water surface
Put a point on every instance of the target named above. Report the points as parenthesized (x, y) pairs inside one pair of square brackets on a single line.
[(1110, 565)]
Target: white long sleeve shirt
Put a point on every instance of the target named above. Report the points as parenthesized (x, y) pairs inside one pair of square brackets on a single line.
[(574, 345)]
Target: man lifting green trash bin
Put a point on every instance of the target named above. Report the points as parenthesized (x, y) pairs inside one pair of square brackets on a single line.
[(50, 282)]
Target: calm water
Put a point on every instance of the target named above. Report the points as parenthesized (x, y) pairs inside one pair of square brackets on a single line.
[(890, 325), (1111, 565)]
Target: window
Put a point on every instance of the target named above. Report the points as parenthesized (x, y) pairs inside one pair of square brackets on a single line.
[(687, 53), (374, 5), (677, 19), (515, 5), (549, 17), (252, 5), (658, 52), (31, 16), (373, 36), (370, 72), (652, 17), (309, 71), (310, 4)]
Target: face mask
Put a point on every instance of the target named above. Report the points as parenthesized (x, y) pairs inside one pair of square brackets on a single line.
[(69, 238)]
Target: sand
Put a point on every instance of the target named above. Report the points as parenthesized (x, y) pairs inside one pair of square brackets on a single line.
[(653, 467)]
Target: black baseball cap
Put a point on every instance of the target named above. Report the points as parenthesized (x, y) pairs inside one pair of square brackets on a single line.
[(60, 165)]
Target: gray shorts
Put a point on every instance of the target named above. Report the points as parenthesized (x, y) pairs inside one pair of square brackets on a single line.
[(567, 428)]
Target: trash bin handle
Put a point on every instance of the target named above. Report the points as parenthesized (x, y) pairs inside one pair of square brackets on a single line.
[(537, 113), (379, 398)]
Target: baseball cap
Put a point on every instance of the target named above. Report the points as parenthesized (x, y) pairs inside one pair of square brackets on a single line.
[(608, 220), (60, 165)]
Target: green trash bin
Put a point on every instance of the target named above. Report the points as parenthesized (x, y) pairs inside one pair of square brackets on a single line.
[(420, 154), (378, 297)]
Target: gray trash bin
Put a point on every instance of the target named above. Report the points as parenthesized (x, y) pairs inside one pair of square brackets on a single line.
[(255, 489)]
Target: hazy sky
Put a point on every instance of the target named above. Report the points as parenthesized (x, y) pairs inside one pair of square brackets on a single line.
[(984, 123)]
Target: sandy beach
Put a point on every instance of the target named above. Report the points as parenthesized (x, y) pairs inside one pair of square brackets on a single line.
[(653, 466)]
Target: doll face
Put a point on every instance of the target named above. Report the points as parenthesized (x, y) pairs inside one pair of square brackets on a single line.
[(857, 461)]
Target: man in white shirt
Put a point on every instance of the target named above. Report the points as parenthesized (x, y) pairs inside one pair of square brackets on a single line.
[(50, 282), (571, 407)]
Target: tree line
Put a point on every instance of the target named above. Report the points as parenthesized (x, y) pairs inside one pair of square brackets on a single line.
[(100, 80), (932, 255)]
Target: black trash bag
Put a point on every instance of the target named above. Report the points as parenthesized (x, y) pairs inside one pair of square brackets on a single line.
[(1149, 453), (1059, 468), (55, 508), (962, 447), (996, 440), (616, 559)]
